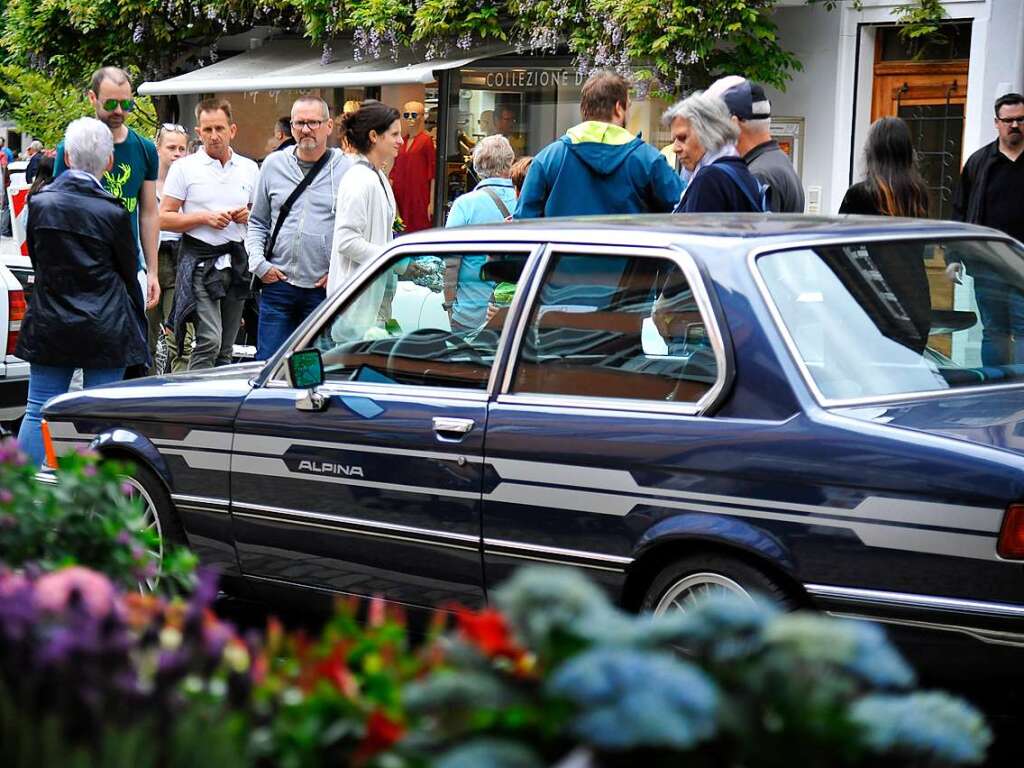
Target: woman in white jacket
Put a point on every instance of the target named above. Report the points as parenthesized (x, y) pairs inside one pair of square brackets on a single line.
[(365, 214)]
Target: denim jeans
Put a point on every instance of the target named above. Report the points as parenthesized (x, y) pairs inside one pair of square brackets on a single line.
[(283, 307), (46, 382), (1001, 307)]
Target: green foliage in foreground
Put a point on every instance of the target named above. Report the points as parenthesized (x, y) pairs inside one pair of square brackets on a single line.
[(88, 517)]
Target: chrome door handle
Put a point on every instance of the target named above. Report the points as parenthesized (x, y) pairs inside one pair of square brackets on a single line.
[(452, 429)]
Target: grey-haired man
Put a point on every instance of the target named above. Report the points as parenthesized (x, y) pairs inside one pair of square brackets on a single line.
[(752, 112), (294, 270)]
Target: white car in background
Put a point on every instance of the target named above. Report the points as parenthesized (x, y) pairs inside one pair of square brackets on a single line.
[(16, 281)]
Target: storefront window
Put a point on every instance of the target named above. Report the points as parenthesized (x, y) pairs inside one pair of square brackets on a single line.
[(529, 106)]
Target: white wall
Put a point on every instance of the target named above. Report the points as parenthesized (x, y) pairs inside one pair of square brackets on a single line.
[(811, 33), (833, 92)]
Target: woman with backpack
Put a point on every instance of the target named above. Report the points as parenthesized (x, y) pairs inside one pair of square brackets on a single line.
[(704, 137)]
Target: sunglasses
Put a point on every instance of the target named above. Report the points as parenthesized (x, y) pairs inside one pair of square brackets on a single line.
[(410, 115), (109, 105)]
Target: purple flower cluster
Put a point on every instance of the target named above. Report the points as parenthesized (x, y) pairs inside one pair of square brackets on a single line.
[(74, 650)]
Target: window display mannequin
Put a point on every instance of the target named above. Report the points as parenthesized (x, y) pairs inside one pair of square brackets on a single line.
[(413, 174)]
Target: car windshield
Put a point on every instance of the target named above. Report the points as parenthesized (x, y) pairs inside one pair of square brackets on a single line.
[(873, 320)]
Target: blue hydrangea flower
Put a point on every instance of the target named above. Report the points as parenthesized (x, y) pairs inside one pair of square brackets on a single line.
[(858, 647), (493, 753), (929, 725), (629, 699)]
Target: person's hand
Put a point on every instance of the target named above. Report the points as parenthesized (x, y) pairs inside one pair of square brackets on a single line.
[(240, 215), (218, 219), (152, 291), (955, 272), (430, 210), (492, 310), (321, 282), (273, 275)]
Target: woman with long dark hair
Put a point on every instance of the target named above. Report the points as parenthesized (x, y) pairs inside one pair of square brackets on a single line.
[(892, 185), (365, 214)]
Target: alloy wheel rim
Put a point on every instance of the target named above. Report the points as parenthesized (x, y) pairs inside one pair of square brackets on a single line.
[(690, 590), (150, 521)]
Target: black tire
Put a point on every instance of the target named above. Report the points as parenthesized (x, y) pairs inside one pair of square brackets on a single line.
[(714, 571), (158, 505)]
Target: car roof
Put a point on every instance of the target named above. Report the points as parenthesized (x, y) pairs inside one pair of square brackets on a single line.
[(662, 230)]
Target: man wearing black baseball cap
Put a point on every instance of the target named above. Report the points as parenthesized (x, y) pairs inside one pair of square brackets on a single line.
[(752, 112)]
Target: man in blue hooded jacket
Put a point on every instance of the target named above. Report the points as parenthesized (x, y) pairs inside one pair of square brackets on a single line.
[(598, 166)]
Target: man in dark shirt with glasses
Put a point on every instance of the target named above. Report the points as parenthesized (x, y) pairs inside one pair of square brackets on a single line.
[(991, 193), (991, 187)]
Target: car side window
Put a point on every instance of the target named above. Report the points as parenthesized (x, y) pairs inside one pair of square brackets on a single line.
[(426, 320), (618, 327)]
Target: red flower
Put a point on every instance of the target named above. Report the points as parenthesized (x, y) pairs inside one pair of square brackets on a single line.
[(381, 733), (489, 632), (334, 669)]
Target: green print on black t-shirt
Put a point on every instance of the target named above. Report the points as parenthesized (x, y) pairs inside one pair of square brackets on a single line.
[(135, 161)]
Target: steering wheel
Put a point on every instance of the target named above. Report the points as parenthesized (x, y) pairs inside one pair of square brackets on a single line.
[(431, 344)]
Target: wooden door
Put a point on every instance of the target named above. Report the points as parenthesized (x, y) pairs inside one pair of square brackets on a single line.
[(930, 97)]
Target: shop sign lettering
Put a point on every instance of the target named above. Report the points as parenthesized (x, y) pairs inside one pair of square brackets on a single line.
[(533, 78)]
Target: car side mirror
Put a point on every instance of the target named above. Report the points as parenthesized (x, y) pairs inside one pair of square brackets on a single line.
[(306, 371)]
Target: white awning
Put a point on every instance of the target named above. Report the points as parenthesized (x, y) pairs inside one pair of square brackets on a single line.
[(296, 64)]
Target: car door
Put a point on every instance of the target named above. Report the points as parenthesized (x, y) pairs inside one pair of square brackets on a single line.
[(379, 493), (613, 363)]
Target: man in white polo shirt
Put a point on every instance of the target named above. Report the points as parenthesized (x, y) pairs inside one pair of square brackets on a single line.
[(207, 197)]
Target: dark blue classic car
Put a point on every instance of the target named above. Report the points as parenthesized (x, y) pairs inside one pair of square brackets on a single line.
[(827, 411)]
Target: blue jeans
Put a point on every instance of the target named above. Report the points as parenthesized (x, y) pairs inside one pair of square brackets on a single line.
[(283, 307), (1001, 307), (44, 383)]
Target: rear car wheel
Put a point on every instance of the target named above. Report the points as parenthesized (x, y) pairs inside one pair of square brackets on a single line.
[(158, 515), (687, 581)]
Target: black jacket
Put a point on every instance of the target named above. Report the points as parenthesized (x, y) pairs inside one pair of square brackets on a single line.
[(86, 308), (858, 200), (969, 197)]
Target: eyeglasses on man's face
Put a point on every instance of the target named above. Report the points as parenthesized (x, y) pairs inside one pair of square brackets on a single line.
[(109, 105), (1011, 120), (411, 115), (303, 125)]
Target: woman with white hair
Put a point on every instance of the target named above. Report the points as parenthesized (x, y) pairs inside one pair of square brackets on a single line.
[(704, 137), (87, 309), (493, 200)]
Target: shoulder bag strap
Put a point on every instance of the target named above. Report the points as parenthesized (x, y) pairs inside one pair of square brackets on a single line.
[(734, 175), (287, 207), (502, 208)]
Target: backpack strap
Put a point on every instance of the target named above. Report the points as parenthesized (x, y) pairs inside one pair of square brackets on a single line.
[(733, 174), (502, 208)]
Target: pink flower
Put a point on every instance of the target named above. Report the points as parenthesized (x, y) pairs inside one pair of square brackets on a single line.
[(54, 590), (6, 497), (11, 583)]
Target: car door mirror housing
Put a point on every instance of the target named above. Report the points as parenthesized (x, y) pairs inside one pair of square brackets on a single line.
[(305, 368)]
